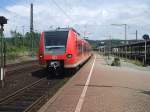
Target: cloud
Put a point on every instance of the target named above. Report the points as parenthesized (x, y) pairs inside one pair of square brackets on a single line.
[(21, 10), (93, 16)]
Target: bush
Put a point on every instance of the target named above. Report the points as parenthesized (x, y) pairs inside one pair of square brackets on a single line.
[(116, 62)]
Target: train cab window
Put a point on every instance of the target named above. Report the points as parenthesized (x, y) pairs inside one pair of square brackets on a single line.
[(55, 41)]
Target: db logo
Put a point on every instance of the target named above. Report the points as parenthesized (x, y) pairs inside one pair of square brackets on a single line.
[(54, 57)]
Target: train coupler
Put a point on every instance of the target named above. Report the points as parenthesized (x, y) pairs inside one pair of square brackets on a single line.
[(54, 64)]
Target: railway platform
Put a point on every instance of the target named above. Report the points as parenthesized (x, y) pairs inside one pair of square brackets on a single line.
[(97, 87)]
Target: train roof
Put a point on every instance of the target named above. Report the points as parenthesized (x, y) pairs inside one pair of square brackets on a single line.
[(66, 29), (63, 29)]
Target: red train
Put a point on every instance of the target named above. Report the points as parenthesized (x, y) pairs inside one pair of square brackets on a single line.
[(63, 48)]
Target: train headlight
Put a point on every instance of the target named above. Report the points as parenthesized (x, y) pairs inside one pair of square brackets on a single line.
[(41, 56), (69, 55)]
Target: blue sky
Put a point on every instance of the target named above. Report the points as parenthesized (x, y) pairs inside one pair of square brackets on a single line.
[(90, 17)]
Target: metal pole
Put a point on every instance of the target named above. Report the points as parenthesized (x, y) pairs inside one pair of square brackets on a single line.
[(125, 41), (125, 27), (31, 18), (136, 35), (3, 21), (23, 35), (2, 57), (109, 47), (145, 53), (82, 48), (32, 36), (4, 53), (31, 28)]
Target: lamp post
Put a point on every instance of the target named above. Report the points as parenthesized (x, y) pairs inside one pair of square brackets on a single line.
[(145, 37), (109, 46), (3, 21), (136, 35), (125, 35)]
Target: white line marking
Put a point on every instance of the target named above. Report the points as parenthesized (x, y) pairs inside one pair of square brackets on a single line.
[(82, 97)]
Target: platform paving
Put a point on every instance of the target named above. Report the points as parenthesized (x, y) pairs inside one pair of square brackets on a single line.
[(98, 87)]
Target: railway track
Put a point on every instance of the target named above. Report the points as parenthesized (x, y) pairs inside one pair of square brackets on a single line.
[(30, 98), (28, 87), (18, 66)]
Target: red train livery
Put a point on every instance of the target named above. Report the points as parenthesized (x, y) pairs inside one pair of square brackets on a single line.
[(63, 48)]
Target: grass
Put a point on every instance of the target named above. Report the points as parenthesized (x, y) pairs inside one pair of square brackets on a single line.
[(116, 62), (136, 62), (14, 53)]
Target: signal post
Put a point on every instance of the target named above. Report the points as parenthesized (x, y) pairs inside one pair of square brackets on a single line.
[(3, 21)]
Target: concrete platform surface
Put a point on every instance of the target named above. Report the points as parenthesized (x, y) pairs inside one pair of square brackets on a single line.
[(97, 87)]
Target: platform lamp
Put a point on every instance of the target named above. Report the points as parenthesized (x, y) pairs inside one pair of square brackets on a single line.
[(125, 35), (145, 37), (3, 21)]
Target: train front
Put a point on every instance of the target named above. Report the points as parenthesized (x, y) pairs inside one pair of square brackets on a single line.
[(52, 50)]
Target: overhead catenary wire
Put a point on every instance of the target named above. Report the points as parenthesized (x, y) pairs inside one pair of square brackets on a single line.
[(62, 10), (13, 15), (67, 4)]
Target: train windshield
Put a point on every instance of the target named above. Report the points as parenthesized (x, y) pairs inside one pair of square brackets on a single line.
[(55, 42)]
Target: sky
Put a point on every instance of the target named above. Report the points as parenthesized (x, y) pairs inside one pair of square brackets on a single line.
[(91, 18)]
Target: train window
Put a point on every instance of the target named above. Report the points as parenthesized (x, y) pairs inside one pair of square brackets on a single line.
[(79, 47), (55, 41), (56, 38), (76, 45)]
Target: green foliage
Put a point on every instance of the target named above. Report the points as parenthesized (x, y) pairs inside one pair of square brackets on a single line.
[(21, 45), (116, 62), (136, 62)]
